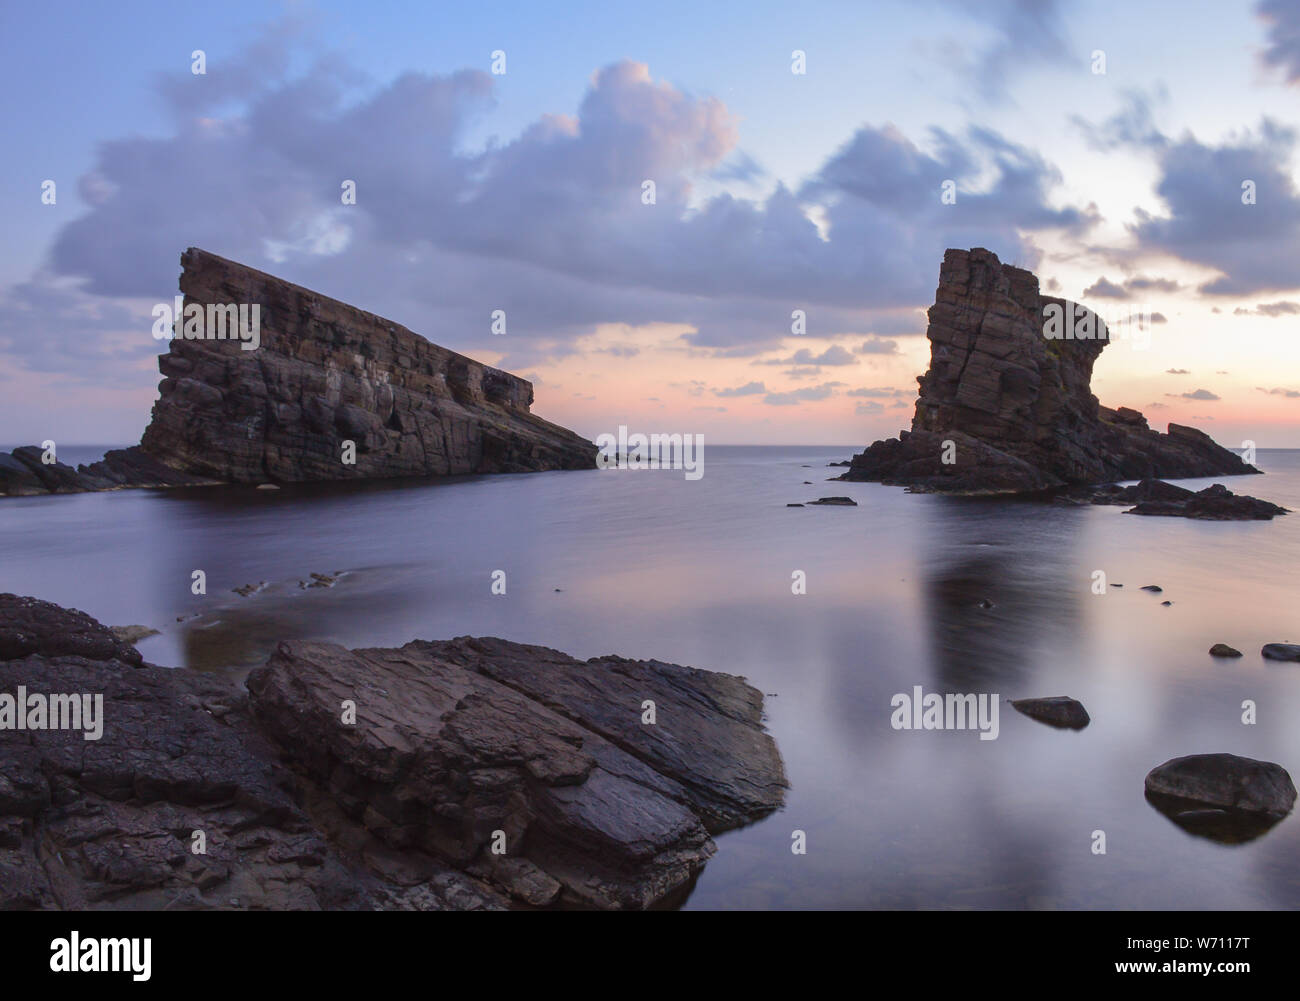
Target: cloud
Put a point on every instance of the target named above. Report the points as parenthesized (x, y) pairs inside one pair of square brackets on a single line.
[(1251, 245), (877, 346), (1026, 32), (1177, 371), (1283, 32), (1104, 288), (865, 407), (1197, 394), (1272, 309), (548, 226), (749, 389), (794, 396), (1288, 393)]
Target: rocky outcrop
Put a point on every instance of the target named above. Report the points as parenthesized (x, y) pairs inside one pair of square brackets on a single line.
[(322, 374), (194, 796), (1005, 408), (533, 771), (1215, 503)]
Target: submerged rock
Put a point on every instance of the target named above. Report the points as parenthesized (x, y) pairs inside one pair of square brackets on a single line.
[(1005, 408), (1281, 651), (1223, 782), (836, 502), (1058, 710)]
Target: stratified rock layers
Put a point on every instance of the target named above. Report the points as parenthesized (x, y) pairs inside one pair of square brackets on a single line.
[(1016, 405), (475, 772), (532, 770), (326, 373)]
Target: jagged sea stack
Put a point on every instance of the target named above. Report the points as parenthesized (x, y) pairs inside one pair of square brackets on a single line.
[(1017, 405)]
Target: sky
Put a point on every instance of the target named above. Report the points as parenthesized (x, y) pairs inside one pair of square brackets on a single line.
[(500, 154)]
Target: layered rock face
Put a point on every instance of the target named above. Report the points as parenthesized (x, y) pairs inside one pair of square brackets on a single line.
[(532, 770), (398, 808), (1017, 405), (322, 374)]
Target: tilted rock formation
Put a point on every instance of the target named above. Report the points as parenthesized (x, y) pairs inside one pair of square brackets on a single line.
[(323, 373), (1017, 405), (457, 741), (452, 741)]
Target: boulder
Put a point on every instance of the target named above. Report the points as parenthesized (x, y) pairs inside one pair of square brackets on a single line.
[(1224, 782), (1058, 710), (1281, 651)]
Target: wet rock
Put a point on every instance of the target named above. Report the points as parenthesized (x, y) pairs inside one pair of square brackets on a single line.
[(463, 744), (1223, 650), (132, 634), (836, 502), (1214, 503), (1224, 782), (1058, 711), (794, 505), (1281, 651), (1153, 588)]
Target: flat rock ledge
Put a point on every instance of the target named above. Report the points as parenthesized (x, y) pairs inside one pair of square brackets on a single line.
[(295, 809)]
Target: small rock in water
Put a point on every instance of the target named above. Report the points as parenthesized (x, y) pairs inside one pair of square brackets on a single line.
[(132, 634), (1153, 588), (794, 505), (807, 483), (1223, 650), (1224, 782), (985, 603), (1117, 585), (245, 590), (1058, 710), (1281, 651), (839, 501), (1166, 603)]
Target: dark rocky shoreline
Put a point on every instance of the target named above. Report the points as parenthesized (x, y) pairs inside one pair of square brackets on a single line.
[(457, 746)]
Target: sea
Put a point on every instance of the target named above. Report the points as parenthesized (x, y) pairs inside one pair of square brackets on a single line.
[(834, 612)]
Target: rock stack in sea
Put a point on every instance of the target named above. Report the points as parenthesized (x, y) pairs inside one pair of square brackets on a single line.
[(1016, 405), (323, 374)]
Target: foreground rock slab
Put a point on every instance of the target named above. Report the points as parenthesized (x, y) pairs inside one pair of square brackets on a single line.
[(470, 745), (1281, 651), (453, 742), (1214, 503), (1004, 408)]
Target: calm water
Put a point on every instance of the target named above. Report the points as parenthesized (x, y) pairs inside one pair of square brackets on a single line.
[(651, 565)]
